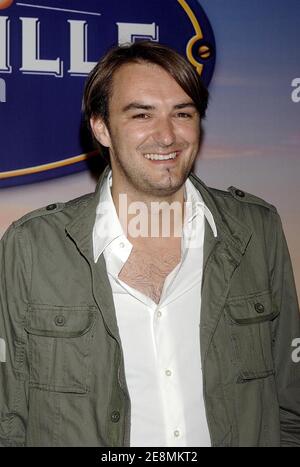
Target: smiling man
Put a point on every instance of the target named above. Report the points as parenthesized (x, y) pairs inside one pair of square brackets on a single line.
[(156, 311)]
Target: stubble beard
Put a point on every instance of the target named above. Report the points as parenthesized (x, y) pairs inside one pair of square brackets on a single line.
[(141, 183)]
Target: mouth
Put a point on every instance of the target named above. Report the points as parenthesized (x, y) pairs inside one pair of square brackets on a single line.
[(162, 157)]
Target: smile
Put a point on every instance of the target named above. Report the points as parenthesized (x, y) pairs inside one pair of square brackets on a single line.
[(161, 157)]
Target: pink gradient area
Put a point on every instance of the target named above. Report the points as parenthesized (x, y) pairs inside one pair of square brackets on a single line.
[(9, 213), (214, 149)]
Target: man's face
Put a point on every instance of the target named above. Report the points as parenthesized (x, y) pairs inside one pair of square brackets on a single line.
[(153, 132)]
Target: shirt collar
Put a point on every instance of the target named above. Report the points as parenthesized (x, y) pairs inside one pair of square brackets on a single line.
[(107, 225), (195, 204)]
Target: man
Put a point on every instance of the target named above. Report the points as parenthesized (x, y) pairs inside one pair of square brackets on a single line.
[(103, 341)]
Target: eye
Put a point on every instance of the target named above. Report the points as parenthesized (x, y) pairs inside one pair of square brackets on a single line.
[(184, 115), (141, 116)]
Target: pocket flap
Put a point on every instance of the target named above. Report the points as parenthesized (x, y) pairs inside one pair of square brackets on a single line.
[(253, 309), (59, 321)]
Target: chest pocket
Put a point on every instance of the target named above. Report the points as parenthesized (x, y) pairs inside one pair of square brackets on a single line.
[(60, 340), (250, 322)]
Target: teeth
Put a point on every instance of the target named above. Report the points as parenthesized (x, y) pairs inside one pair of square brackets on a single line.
[(160, 157)]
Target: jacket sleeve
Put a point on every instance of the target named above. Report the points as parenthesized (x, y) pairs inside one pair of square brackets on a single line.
[(287, 369), (14, 283)]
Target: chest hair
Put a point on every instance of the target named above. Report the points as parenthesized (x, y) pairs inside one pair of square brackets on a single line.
[(146, 270)]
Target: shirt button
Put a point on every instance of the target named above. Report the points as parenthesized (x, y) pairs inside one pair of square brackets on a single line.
[(168, 372), (176, 433), (159, 314), (122, 244)]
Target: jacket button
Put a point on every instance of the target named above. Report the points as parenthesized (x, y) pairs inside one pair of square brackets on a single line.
[(51, 207), (115, 417), (259, 307), (240, 193), (60, 320)]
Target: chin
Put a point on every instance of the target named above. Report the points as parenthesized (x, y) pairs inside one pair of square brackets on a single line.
[(162, 190)]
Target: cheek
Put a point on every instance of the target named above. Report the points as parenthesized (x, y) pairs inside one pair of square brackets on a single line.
[(125, 142), (189, 132), (132, 137)]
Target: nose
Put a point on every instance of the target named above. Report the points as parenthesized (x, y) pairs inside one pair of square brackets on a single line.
[(164, 132)]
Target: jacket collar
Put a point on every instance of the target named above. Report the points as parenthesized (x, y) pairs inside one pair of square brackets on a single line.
[(81, 227)]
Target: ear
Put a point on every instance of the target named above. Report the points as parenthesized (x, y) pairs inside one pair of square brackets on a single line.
[(100, 131)]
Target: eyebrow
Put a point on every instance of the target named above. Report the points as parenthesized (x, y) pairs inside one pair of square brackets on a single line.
[(140, 106), (184, 105)]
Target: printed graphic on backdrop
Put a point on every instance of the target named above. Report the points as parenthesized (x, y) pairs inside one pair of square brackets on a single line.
[(47, 49)]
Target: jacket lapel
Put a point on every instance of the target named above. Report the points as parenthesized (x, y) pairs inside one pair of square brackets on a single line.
[(222, 255), (81, 232)]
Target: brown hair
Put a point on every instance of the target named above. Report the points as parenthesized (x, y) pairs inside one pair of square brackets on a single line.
[(98, 88)]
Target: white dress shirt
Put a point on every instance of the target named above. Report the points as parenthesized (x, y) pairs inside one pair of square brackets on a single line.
[(161, 342)]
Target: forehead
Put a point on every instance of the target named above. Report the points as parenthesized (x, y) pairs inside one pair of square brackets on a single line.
[(145, 81)]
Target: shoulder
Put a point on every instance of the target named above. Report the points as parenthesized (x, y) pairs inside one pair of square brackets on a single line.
[(250, 210), (232, 197), (52, 210), (244, 197), (239, 196)]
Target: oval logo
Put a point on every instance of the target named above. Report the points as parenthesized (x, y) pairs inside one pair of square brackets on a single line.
[(46, 52)]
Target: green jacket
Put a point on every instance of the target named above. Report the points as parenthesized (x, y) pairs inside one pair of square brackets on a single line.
[(63, 381)]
